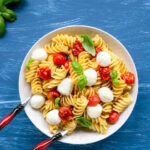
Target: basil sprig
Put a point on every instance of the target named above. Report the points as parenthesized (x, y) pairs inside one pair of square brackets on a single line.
[(82, 81), (113, 75), (29, 62), (56, 102), (88, 44), (83, 121)]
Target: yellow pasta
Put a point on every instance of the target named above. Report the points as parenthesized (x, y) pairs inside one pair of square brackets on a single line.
[(122, 103), (53, 128), (64, 39), (80, 106), (31, 73), (48, 106), (93, 64), (74, 75), (56, 48), (68, 100), (36, 86)]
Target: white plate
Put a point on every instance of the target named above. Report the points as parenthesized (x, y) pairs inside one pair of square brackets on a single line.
[(80, 136)]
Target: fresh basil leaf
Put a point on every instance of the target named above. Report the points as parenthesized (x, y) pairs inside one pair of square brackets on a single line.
[(56, 102), (31, 60), (1, 3), (113, 74), (88, 44), (82, 82), (6, 2), (116, 82), (28, 67), (83, 121), (77, 67), (68, 57)]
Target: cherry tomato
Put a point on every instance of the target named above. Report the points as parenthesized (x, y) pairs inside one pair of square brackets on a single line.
[(53, 94), (93, 100), (65, 113), (128, 77), (104, 72), (59, 58), (44, 73), (77, 48), (113, 117), (97, 51), (66, 64)]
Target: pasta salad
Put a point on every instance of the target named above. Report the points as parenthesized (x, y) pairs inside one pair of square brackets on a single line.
[(78, 81)]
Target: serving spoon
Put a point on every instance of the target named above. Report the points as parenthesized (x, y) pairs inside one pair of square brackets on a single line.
[(7, 119)]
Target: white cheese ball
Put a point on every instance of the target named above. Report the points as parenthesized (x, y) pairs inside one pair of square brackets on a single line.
[(39, 54), (91, 76), (52, 117), (94, 111), (103, 59), (105, 94), (37, 101), (65, 87)]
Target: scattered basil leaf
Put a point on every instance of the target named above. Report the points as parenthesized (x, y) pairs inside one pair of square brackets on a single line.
[(113, 74), (88, 44), (29, 62), (82, 82), (116, 82), (68, 57), (6, 2), (56, 102), (77, 67), (83, 121)]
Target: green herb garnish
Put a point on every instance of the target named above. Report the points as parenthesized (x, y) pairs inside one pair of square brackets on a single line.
[(116, 82), (56, 102), (77, 67), (113, 74), (68, 57), (82, 82), (29, 62), (88, 44), (83, 121)]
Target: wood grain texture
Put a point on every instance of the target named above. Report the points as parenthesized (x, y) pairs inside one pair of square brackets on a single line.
[(127, 20)]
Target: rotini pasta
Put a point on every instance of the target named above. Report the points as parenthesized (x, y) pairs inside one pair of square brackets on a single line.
[(68, 93)]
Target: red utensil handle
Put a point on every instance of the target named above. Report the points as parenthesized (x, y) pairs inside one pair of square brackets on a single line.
[(6, 120), (46, 143)]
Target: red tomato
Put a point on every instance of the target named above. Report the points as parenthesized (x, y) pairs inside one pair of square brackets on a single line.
[(128, 77), (44, 73), (104, 72), (53, 94), (66, 64), (65, 113), (97, 51), (93, 100), (113, 117), (59, 58), (77, 48)]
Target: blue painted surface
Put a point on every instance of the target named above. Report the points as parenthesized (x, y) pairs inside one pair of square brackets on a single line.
[(127, 20)]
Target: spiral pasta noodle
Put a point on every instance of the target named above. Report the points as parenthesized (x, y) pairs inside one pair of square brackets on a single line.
[(36, 86), (53, 128), (80, 106), (74, 75), (122, 103), (68, 100), (30, 74)]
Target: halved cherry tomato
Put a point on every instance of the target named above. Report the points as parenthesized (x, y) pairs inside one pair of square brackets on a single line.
[(97, 50), (93, 100), (59, 58), (113, 117), (44, 73), (65, 113), (128, 77), (104, 72), (51, 95), (77, 48), (66, 64)]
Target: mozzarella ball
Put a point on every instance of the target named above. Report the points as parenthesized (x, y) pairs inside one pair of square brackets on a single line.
[(52, 117), (65, 87), (94, 111), (37, 101), (91, 76), (103, 59), (39, 54), (105, 94)]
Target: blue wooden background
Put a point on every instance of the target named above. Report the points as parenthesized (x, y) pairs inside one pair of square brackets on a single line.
[(127, 20)]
